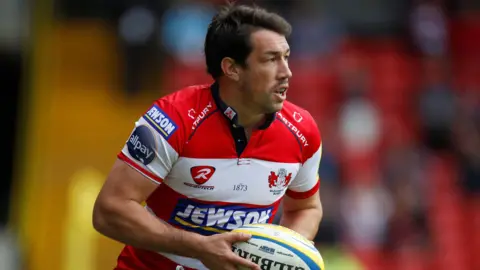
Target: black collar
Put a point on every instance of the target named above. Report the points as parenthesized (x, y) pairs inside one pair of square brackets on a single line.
[(230, 113)]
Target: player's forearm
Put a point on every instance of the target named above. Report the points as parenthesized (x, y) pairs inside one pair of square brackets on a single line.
[(305, 221), (132, 224)]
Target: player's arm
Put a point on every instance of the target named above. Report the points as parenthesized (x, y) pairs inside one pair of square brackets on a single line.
[(145, 161), (302, 215), (118, 214), (302, 208)]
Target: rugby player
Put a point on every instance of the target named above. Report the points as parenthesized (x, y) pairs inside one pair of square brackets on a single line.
[(210, 158)]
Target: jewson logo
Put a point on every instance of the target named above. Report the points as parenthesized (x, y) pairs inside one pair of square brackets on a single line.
[(160, 121), (141, 145), (210, 218)]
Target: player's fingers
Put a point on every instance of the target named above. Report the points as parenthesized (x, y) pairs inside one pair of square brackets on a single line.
[(234, 237), (243, 263)]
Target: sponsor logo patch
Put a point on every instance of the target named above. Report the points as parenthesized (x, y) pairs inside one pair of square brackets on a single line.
[(141, 145), (160, 121), (200, 175), (204, 217)]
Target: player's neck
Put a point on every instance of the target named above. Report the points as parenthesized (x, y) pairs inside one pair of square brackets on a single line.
[(246, 117)]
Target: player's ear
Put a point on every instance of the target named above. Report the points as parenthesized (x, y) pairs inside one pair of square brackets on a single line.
[(230, 68)]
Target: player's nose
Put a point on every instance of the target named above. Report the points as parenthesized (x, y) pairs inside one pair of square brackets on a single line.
[(284, 70)]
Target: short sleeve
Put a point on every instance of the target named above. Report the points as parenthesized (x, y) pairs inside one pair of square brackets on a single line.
[(307, 182), (155, 142)]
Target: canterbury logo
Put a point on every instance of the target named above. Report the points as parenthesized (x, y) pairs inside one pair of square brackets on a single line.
[(201, 174)]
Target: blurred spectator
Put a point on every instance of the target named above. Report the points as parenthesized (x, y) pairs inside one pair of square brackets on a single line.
[(402, 171), (14, 25), (437, 106), (370, 18), (365, 203), (366, 208), (136, 27), (360, 126), (317, 32), (136, 23), (359, 122), (468, 141), (429, 27), (184, 26), (329, 232)]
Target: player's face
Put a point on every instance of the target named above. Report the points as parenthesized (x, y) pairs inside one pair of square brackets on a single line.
[(265, 79)]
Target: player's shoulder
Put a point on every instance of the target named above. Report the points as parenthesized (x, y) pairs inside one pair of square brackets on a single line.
[(185, 103), (186, 98), (300, 123), (174, 112)]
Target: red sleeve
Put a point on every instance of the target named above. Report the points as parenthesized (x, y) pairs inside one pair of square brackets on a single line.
[(307, 182)]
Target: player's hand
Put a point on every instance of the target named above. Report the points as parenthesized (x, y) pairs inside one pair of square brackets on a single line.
[(217, 254)]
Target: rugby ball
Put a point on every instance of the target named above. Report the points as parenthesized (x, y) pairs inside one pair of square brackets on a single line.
[(276, 247)]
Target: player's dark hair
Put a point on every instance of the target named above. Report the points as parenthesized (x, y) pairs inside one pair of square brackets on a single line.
[(229, 33)]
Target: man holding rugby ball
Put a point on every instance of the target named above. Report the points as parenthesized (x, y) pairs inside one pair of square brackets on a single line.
[(210, 158)]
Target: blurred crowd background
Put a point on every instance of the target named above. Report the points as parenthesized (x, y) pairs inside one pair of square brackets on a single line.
[(393, 84)]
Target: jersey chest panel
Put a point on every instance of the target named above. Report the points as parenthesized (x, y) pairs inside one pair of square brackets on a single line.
[(247, 181)]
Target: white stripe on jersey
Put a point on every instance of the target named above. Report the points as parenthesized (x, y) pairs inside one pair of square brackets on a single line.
[(230, 181), (146, 176), (308, 173)]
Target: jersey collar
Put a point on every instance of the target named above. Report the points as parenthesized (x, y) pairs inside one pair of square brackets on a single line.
[(230, 113)]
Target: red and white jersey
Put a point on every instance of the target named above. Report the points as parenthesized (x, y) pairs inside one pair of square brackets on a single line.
[(210, 180)]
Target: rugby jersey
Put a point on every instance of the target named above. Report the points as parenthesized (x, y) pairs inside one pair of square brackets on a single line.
[(210, 179)]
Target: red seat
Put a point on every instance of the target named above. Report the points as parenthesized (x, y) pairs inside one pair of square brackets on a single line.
[(445, 214)]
